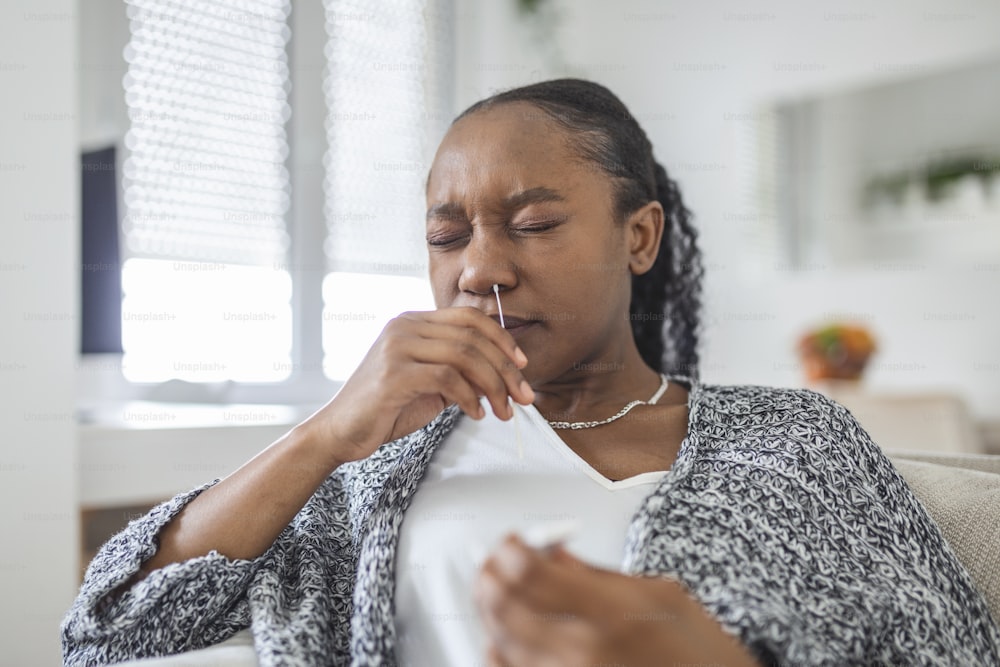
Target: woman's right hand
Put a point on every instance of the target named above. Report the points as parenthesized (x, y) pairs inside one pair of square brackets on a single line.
[(419, 364)]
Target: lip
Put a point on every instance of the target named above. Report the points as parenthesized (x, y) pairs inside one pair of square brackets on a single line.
[(521, 329), (515, 325)]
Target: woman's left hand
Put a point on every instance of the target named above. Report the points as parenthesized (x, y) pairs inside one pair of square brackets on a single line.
[(547, 608)]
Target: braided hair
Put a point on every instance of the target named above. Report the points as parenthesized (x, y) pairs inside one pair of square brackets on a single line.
[(665, 308)]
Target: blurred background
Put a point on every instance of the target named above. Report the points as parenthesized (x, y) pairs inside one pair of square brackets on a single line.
[(211, 209)]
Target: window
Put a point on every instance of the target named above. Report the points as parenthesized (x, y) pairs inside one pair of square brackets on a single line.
[(206, 192), (388, 100), (219, 280)]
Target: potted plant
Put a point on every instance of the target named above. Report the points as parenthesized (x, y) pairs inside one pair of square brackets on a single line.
[(836, 351)]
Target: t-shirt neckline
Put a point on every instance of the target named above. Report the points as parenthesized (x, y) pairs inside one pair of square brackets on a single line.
[(650, 477)]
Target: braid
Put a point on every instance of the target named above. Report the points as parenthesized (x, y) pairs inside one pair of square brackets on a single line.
[(665, 307)]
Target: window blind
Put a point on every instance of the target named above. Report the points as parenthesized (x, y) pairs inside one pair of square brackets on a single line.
[(205, 281), (206, 92), (389, 101)]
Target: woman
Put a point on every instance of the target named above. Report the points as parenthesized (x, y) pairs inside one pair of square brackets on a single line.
[(716, 525)]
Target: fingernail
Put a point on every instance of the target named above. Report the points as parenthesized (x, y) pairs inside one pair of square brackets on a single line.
[(526, 389), (519, 356)]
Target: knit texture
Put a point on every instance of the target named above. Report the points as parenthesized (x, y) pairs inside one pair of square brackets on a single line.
[(779, 515)]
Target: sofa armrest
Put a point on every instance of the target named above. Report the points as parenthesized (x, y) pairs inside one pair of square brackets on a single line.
[(962, 495)]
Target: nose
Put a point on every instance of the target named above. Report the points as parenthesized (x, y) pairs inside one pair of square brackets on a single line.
[(486, 261)]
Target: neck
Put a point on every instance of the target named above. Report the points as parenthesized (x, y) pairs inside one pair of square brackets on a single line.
[(597, 388)]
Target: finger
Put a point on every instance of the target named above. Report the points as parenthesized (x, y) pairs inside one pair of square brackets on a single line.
[(516, 658), (473, 367), (559, 553), (516, 574), (448, 383), (559, 586), (516, 625), (469, 361), (402, 344), (475, 335), (493, 657), (569, 628), (550, 572), (470, 326), (515, 653), (491, 329), (554, 644)]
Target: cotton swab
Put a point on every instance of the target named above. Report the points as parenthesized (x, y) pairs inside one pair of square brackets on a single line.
[(513, 408), (496, 290)]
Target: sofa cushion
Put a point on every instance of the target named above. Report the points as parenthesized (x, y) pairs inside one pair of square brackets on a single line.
[(964, 499)]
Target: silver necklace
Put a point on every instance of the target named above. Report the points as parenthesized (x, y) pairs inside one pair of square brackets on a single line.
[(621, 413)]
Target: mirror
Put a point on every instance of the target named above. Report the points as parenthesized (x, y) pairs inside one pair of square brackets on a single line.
[(902, 172)]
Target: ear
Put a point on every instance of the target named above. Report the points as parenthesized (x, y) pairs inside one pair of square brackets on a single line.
[(644, 229)]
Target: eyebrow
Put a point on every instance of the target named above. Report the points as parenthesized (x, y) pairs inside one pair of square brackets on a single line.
[(539, 195)]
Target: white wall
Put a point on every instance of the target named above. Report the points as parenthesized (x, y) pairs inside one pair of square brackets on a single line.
[(103, 34), (689, 71), (38, 338)]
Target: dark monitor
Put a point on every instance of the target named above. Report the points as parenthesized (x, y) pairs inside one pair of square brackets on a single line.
[(101, 281)]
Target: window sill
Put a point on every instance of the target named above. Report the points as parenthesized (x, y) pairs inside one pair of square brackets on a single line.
[(143, 452)]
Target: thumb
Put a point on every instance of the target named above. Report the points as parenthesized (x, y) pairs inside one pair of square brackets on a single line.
[(560, 554)]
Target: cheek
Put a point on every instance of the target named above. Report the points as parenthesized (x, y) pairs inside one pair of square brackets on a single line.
[(601, 262), (443, 276)]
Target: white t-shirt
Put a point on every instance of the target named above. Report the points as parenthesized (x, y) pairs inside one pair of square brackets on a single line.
[(476, 490)]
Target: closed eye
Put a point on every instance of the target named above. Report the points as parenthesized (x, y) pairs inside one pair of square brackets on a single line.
[(537, 227), (444, 241)]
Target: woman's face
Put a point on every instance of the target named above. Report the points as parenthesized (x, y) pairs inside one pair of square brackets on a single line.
[(509, 202)]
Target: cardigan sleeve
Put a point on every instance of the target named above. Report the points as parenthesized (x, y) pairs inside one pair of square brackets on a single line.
[(795, 531), (876, 583), (936, 615), (183, 606), (204, 600)]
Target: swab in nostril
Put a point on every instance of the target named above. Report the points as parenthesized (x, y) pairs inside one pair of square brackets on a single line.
[(513, 408), (496, 290)]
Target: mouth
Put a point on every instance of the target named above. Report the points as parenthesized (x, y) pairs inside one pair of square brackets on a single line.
[(514, 324)]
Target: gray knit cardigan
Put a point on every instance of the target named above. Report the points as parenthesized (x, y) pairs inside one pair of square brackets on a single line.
[(779, 515)]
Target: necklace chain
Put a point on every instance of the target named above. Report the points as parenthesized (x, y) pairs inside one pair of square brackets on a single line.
[(575, 426)]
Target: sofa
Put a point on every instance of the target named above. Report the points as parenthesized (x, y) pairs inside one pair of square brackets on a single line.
[(961, 492)]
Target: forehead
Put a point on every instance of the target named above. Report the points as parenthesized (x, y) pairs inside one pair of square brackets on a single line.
[(515, 142)]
